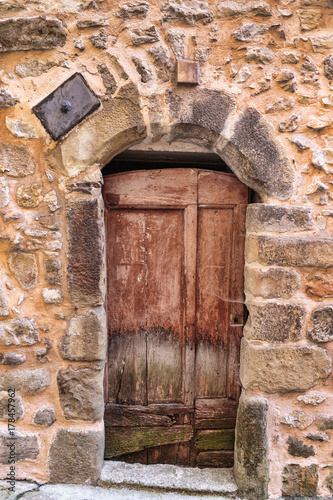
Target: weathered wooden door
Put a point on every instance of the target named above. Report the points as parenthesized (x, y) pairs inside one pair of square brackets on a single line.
[(175, 310)]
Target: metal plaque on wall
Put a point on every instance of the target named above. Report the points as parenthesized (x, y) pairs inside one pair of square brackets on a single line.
[(66, 106)]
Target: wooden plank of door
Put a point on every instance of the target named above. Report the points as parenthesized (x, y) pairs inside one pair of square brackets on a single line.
[(176, 454), (117, 415), (216, 188), (213, 274), (121, 440), (170, 187), (215, 408), (237, 307), (210, 440), (126, 306), (165, 305), (190, 238), (223, 458)]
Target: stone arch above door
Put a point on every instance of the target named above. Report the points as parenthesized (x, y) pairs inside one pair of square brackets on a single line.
[(208, 117)]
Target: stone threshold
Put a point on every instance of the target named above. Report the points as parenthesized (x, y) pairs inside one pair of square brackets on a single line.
[(31, 491), (164, 477)]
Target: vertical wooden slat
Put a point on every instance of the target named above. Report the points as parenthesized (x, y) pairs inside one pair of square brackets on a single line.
[(165, 305), (213, 272), (127, 299), (237, 308), (190, 236)]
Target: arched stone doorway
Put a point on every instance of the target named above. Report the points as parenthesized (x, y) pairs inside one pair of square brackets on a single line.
[(202, 116)]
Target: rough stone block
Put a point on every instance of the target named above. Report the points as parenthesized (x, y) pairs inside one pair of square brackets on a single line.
[(325, 422), (19, 409), (297, 448), (26, 447), (147, 35), (274, 283), (29, 381), (44, 417), (310, 19), (275, 322), (81, 393), (25, 269), (235, 9), (20, 129), (29, 196), (86, 338), (261, 218), (297, 419), (318, 437), (52, 275), (7, 99), (4, 192), (322, 320), (19, 331), (311, 399), (251, 467), (298, 251), (15, 161), (163, 63), (250, 32), (322, 43), (133, 9), (199, 114), (31, 33), (81, 452), (260, 55), (300, 481), (144, 72), (283, 368), (12, 358), (193, 12), (85, 255), (52, 296), (4, 309), (253, 154)]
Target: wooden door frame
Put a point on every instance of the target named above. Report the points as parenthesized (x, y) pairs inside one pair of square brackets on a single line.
[(214, 188)]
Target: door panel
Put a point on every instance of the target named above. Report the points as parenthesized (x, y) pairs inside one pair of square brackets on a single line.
[(175, 315), (165, 310), (126, 307)]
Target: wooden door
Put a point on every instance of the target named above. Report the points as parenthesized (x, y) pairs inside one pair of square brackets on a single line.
[(174, 245)]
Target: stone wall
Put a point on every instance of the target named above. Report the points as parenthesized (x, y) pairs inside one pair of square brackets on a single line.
[(264, 104)]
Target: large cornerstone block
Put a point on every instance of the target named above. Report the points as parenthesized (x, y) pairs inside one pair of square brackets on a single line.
[(251, 467), (86, 337), (275, 322), (85, 252), (283, 369), (274, 283), (76, 456), (297, 251), (253, 154), (260, 218), (81, 393)]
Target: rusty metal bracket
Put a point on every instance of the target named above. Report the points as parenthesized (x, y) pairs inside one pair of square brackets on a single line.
[(66, 106)]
